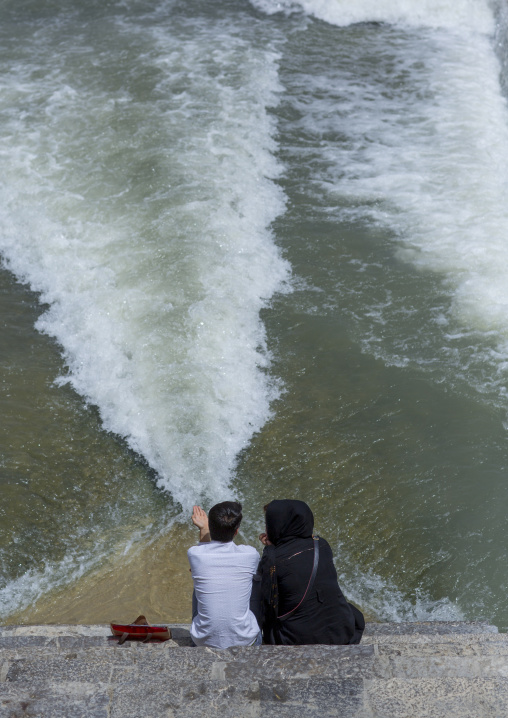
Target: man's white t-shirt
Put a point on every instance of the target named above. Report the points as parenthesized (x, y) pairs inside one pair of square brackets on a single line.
[(222, 575)]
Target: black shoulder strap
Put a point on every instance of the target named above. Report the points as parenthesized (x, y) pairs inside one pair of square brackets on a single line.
[(274, 588), (311, 579)]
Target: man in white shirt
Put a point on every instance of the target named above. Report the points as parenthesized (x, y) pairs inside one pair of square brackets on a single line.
[(222, 573)]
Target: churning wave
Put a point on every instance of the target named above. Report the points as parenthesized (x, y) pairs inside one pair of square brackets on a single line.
[(137, 200)]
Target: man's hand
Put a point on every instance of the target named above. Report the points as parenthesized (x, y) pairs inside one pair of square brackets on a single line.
[(200, 519), (264, 540)]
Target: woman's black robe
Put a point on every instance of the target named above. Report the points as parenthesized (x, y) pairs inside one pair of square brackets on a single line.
[(324, 616)]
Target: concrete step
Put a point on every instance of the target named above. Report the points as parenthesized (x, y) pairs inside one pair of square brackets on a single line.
[(24, 640), (269, 662), (374, 632), (400, 670), (270, 699), (300, 698), (429, 627)]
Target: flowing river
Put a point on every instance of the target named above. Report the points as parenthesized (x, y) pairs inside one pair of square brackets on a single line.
[(255, 250)]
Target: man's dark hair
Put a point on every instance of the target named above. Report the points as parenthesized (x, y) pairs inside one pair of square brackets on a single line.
[(223, 520)]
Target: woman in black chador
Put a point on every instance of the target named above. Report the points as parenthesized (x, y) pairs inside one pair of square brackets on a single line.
[(302, 600)]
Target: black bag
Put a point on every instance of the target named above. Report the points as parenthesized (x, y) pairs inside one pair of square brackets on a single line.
[(273, 636)]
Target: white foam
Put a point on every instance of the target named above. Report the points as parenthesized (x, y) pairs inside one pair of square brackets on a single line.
[(386, 602), (145, 227), (25, 590), (440, 176), (425, 156), (472, 14), (19, 593)]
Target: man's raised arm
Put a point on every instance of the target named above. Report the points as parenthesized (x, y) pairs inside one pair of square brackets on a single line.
[(200, 519)]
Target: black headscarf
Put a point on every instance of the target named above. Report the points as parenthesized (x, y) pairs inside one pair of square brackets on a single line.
[(287, 519), (324, 616)]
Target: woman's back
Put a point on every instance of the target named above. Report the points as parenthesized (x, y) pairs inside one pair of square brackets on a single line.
[(324, 616)]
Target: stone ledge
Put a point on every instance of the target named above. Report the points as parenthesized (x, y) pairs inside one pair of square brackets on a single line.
[(422, 628), (181, 630), (399, 671)]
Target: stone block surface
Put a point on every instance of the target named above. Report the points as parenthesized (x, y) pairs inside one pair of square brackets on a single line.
[(399, 671), (437, 698), (435, 628)]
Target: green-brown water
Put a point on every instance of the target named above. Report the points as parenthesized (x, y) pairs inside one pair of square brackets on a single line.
[(259, 254)]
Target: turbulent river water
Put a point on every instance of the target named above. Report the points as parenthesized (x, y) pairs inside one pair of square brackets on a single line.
[(255, 250)]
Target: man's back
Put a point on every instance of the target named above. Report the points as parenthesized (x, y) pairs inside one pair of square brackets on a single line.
[(222, 575)]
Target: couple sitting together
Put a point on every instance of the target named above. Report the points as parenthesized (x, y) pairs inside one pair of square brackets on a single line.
[(290, 597)]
